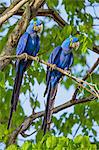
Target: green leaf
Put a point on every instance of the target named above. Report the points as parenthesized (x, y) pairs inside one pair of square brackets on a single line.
[(12, 147), (78, 139), (39, 136), (27, 146), (85, 142), (51, 142), (2, 79)]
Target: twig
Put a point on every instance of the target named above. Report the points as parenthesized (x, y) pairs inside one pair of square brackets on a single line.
[(86, 76), (26, 135), (78, 81), (96, 49), (29, 120), (76, 130)]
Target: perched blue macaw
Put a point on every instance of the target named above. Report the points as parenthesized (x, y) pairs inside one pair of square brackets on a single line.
[(28, 43), (62, 57)]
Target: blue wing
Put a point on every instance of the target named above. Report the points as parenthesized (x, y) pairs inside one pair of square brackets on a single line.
[(54, 55), (37, 46), (53, 60), (22, 43), (69, 61)]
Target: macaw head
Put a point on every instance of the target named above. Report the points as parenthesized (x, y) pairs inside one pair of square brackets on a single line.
[(35, 25), (70, 43)]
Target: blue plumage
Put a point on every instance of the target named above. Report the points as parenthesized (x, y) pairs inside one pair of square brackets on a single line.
[(28, 43), (62, 57)]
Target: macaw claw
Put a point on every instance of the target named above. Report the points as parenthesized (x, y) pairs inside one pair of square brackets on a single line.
[(37, 59), (54, 67), (68, 71), (26, 56)]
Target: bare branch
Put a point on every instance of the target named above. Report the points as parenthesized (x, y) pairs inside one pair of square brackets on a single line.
[(9, 13), (76, 130), (96, 49), (29, 120), (54, 15), (26, 135), (5, 10), (92, 90)]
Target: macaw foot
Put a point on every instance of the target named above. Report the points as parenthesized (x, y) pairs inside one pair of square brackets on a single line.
[(54, 67), (26, 56), (68, 71), (61, 79), (37, 59)]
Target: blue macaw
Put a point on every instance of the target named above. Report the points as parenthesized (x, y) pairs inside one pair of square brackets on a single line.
[(62, 57), (28, 43)]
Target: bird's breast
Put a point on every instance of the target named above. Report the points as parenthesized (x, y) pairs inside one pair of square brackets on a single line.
[(31, 46)]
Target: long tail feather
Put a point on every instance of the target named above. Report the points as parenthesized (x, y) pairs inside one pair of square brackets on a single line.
[(49, 108), (15, 95)]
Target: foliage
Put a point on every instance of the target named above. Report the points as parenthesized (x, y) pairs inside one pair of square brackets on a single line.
[(82, 118), (57, 143)]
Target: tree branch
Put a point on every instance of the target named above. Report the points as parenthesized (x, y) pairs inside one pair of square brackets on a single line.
[(54, 15), (86, 76), (92, 90), (96, 49), (76, 130), (5, 10), (29, 120), (12, 11)]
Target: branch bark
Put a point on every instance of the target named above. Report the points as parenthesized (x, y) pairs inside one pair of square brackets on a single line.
[(5, 10), (96, 49), (12, 11), (29, 120)]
